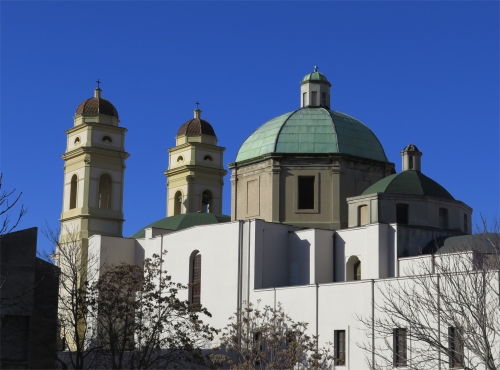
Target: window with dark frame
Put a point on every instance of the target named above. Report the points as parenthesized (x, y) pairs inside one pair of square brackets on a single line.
[(443, 218), (196, 280), (105, 185), (339, 347), (323, 99), (455, 348), (306, 192), (314, 98), (466, 224), (399, 347), (402, 214), (72, 192)]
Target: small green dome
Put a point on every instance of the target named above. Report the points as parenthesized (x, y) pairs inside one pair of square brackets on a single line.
[(409, 182), (312, 131), (183, 221), (315, 76)]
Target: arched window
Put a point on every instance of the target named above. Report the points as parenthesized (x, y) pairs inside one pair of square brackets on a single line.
[(357, 270), (105, 184), (107, 139), (353, 269), (196, 279), (177, 203), (72, 192), (362, 215), (206, 202)]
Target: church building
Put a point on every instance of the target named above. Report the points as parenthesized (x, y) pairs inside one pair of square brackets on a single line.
[(319, 215)]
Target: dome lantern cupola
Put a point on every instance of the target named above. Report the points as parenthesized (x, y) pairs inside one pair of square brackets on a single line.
[(411, 158), (315, 90)]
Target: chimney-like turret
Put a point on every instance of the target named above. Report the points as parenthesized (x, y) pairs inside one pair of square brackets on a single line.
[(411, 158)]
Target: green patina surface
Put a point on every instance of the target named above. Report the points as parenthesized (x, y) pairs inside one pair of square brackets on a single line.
[(409, 182), (315, 76), (315, 131), (179, 222)]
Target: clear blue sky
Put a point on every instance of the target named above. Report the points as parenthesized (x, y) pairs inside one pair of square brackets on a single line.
[(414, 72)]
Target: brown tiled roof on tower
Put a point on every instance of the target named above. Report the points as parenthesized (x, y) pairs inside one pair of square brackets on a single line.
[(97, 105), (196, 126)]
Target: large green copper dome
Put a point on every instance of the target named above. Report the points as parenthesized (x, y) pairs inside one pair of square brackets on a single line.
[(312, 131), (409, 182)]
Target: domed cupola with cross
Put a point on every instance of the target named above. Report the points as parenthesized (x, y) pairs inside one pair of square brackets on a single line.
[(195, 172), (94, 165), (299, 167), (315, 90)]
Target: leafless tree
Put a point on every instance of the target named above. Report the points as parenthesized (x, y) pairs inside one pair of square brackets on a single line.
[(77, 268), (268, 338), (8, 200), (142, 324), (445, 313)]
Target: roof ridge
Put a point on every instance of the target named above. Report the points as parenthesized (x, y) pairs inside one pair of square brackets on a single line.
[(281, 128)]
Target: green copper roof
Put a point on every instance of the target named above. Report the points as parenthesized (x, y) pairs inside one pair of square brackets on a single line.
[(409, 182), (315, 76), (179, 222), (313, 131)]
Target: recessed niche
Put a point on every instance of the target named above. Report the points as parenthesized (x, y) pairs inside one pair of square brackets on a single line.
[(208, 158), (107, 139)]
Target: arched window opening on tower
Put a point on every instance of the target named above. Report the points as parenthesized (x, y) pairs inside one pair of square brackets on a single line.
[(208, 158), (73, 192), (107, 139), (323, 99), (362, 215), (443, 218), (353, 269), (196, 278), (466, 223), (206, 202), (77, 141), (178, 203), (402, 214), (105, 184), (411, 163), (304, 99), (314, 98)]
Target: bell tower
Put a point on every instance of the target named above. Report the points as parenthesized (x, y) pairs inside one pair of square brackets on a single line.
[(94, 165), (195, 172)]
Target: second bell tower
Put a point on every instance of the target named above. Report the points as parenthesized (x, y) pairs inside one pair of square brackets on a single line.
[(196, 171)]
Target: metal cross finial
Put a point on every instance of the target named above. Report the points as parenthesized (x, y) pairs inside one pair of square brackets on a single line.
[(98, 83), (316, 68), (197, 105)]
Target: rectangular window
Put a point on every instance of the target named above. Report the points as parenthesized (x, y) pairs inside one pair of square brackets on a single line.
[(443, 218), (306, 192), (314, 98), (455, 348), (362, 215), (399, 347), (466, 224), (304, 100), (323, 99), (402, 214), (339, 347)]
